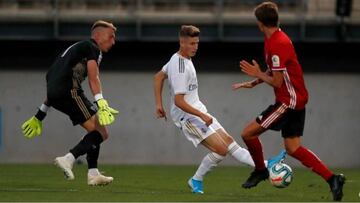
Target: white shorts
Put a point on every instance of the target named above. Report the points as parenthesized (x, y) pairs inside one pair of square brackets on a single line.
[(195, 129)]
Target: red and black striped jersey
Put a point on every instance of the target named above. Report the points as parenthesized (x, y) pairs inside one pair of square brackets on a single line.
[(280, 55)]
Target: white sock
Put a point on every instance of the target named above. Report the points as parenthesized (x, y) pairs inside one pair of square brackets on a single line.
[(93, 172), (240, 154), (210, 161), (70, 157)]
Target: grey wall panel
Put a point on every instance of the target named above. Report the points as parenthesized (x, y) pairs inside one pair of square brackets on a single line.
[(332, 126)]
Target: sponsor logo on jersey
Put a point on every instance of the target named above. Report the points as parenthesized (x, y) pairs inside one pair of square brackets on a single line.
[(275, 61)]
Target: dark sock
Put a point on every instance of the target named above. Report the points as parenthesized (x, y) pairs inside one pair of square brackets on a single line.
[(330, 179), (90, 140), (310, 160), (92, 157), (255, 149)]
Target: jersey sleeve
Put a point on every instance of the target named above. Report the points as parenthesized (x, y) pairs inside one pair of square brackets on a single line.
[(90, 51), (93, 54), (279, 56), (178, 76), (164, 69)]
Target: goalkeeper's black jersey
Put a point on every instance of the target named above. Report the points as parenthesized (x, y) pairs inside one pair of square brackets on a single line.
[(70, 68)]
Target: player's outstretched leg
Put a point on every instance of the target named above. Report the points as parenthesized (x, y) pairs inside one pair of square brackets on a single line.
[(276, 159), (210, 161), (65, 163), (310, 160), (336, 183), (196, 186)]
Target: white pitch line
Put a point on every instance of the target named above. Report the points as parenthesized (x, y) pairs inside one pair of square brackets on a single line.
[(35, 190)]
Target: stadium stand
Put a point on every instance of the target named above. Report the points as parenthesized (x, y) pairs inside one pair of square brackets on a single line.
[(158, 20)]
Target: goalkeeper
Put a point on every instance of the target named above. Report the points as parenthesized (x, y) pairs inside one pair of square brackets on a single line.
[(65, 94)]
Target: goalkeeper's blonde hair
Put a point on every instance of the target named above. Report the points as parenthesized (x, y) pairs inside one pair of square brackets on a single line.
[(102, 23)]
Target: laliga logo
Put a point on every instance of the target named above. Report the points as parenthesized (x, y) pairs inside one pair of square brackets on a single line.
[(275, 61)]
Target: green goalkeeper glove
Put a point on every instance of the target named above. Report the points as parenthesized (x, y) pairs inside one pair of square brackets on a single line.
[(106, 114), (32, 127)]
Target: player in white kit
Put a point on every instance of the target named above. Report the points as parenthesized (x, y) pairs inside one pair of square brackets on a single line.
[(190, 114)]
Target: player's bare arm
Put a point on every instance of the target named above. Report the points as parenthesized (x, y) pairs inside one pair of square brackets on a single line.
[(159, 79), (253, 70), (183, 105), (93, 75), (249, 84)]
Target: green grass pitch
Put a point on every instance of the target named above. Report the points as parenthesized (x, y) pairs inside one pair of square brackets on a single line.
[(40, 182)]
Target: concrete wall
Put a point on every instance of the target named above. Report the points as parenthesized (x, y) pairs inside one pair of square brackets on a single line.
[(332, 126)]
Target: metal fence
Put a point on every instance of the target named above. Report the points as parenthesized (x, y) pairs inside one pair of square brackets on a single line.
[(222, 20)]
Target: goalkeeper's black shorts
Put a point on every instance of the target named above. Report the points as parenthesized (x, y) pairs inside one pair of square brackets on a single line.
[(76, 106)]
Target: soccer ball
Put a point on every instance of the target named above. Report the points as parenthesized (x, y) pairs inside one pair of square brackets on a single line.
[(280, 175)]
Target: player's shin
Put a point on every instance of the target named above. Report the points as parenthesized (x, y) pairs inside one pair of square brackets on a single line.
[(92, 157), (91, 139), (310, 160), (255, 149), (209, 162), (94, 175), (240, 154)]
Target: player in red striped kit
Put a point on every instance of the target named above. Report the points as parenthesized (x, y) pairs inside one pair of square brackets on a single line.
[(285, 75)]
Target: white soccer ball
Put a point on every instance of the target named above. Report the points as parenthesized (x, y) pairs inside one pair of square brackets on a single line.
[(280, 175)]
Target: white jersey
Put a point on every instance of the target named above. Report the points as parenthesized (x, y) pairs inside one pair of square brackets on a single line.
[(182, 80)]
